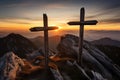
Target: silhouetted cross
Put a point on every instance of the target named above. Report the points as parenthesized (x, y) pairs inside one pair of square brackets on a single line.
[(45, 28), (81, 33)]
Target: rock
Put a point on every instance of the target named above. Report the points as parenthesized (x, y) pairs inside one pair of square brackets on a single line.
[(10, 65), (92, 58)]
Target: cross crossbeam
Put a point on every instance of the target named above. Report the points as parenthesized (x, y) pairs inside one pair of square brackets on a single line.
[(81, 31), (91, 22), (45, 28)]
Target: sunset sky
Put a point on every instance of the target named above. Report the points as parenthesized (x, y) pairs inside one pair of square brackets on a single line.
[(20, 15)]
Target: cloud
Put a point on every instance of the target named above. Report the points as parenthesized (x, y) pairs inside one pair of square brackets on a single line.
[(14, 20), (97, 34), (17, 22), (6, 3), (109, 7), (71, 2), (117, 20), (104, 31), (21, 18), (26, 8)]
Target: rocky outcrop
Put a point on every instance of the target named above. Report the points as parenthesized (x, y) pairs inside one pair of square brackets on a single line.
[(10, 65), (93, 60)]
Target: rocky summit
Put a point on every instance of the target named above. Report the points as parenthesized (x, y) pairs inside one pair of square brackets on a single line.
[(63, 64), (94, 61)]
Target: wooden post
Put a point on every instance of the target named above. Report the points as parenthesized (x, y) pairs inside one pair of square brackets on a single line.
[(45, 28), (81, 31), (46, 44)]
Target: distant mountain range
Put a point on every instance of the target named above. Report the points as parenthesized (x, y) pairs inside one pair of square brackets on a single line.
[(106, 41), (53, 42), (17, 44), (22, 46), (110, 47)]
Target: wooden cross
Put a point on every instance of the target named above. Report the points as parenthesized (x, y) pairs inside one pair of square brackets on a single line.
[(81, 33), (45, 28)]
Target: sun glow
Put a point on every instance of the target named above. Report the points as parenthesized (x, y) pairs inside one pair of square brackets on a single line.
[(58, 29), (63, 27)]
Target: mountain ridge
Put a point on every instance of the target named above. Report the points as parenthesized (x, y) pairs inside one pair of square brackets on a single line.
[(106, 41), (39, 41), (17, 44)]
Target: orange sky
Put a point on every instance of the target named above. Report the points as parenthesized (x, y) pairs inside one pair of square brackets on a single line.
[(8, 26), (20, 15)]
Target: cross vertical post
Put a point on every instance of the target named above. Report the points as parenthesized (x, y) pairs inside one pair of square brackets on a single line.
[(81, 31), (46, 43), (45, 28)]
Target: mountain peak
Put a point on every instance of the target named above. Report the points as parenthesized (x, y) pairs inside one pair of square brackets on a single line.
[(106, 38), (16, 43), (70, 36), (14, 35)]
